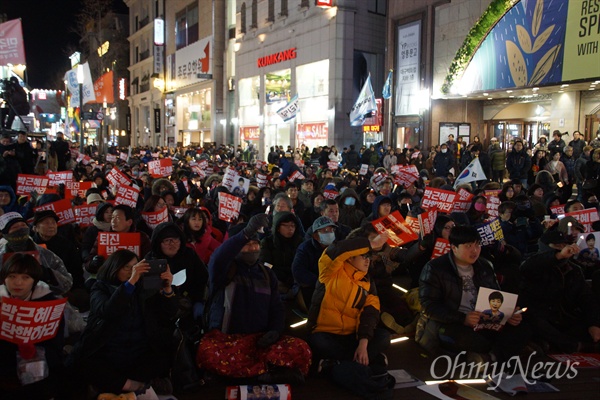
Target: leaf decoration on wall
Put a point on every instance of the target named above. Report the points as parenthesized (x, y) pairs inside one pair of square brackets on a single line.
[(524, 39), (540, 40), (516, 63), (538, 15), (544, 65)]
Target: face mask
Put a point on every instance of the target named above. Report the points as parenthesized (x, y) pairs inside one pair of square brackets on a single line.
[(480, 207), (444, 150), (349, 201), (249, 258), (18, 239), (326, 238)]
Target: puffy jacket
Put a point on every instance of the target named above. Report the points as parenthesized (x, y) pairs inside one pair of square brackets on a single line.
[(498, 159), (350, 304), (518, 164), (442, 163)]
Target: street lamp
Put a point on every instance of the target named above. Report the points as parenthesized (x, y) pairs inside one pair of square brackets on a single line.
[(80, 81)]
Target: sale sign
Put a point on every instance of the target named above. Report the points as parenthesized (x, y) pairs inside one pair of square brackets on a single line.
[(117, 178), (229, 207), (56, 178), (84, 214), (586, 217), (441, 247), (127, 195), (160, 168), (29, 183), (400, 233), (154, 218), (62, 208), (442, 199), (109, 242), (23, 322)]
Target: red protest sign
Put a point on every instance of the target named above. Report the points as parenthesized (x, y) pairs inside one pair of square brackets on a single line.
[(127, 195), (199, 171), (413, 224), (442, 199), (296, 175), (260, 164), (558, 210), (578, 360), (261, 180), (364, 168), (203, 164), (462, 201), (153, 219), (229, 207), (28, 183), (62, 208), (160, 168), (75, 189), (117, 178), (427, 220), (84, 214), (441, 247), (406, 176), (56, 178), (330, 194), (397, 228), (493, 201), (109, 242), (332, 164), (111, 158), (30, 321), (84, 159), (586, 217)]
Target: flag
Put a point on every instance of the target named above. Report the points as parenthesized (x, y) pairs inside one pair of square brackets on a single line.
[(387, 87), (12, 47), (364, 105), (290, 110), (89, 96), (76, 122), (472, 173)]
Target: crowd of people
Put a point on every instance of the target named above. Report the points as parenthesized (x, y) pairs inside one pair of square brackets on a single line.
[(303, 245)]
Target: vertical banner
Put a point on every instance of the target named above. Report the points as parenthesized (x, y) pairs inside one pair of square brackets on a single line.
[(157, 120), (408, 73), (12, 47)]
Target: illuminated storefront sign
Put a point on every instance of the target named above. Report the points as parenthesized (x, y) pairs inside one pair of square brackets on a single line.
[(312, 131), (275, 58), (249, 132), (324, 3), (371, 128)]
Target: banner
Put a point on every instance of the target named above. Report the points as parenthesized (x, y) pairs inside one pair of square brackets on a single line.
[(441, 247), (32, 322), (462, 201), (12, 47), (117, 178), (109, 242), (395, 225), (84, 214), (153, 219), (89, 96), (62, 208), (127, 195), (490, 232), (290, 110), (28, 183), (104, 88), (493, 201), (386, 93), (586, 217), (56, 178), (229, 207), (365, 104), (442, 199), (472, 173)]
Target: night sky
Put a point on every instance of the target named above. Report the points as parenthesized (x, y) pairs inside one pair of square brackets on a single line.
[(49, 34)]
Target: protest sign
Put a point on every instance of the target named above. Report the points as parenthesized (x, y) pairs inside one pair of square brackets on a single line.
[(109, 242), (24, 322), (490, 232), (199, 171), (586, 217), (493, 201), (117, 178), (62, 208), (56, 178), (496, 308), (123, 156), (462, 201), (111, 158), (397, 228), (296, 175), (330, 194), (77, 189), (160, 168), (260, 164), (29, 183), (261, 180), (441, 247), (84, 159), (229, 207), (230, 179), (364, 168), (154, 218), (558, 210), (127, 195), (333, 165), (443, 200), (84, 214), (405, 176)]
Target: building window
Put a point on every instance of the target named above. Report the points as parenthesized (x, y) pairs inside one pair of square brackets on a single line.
[(304, 3), (377, 6), (271, 15), (284, 8), (186, 26), (243, 18), (254, 14)]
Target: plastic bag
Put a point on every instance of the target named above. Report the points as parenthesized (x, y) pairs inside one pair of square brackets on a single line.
[(32, 369)]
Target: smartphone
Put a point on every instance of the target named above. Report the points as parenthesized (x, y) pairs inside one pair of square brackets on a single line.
[(151, 280), (157, 267)]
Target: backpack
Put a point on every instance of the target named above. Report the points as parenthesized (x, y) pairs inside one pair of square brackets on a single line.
[(365, 381)]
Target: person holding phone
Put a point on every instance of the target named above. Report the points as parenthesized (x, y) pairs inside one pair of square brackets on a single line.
[(126, 344)]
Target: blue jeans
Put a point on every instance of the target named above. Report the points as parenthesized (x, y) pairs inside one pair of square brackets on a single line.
[(342, 347)]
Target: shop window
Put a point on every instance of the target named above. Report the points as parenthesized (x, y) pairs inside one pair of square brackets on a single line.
[(377, 6), (254, 14), (186, 26), (243, 18)]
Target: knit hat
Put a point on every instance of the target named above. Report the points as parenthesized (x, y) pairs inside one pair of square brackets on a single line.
[(93, 198), (9, 219), (39, 216)]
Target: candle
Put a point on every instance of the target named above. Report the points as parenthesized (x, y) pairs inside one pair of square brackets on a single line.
[(569, 225)]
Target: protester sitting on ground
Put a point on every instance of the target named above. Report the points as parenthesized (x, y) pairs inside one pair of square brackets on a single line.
[(329, 208), (246, 315), (198, 233), (351, 214), (100, 223), (382, 207), (313, 212), (126, 345), (16, 239), (448, 291), (154, 203), (21, 278)]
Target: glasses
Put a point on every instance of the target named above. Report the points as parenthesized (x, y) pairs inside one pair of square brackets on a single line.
[(448, 227), (170, 241), (127, 268)]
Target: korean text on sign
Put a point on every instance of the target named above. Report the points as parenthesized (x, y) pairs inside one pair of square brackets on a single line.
[(109, 242), (127, 195), (490, 232), (229, 207), (62, 208), (586, 217), (30, 321), (160, 168), (395, 225), (117, 178), (28, 183), (153, 219), (84, 214), (441, 247), (442, 199)]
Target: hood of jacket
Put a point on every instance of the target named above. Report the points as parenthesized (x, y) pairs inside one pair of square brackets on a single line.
[(159, 234), (349, 192), (13, 197), (376, 204), (162, 182)]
